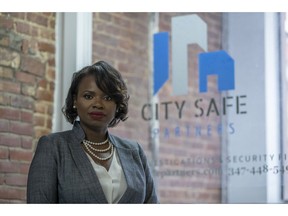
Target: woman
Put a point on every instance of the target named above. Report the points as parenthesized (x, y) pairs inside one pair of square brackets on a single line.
[(88, 164)]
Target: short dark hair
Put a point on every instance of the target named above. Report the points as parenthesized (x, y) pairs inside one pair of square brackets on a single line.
[(108, 80)]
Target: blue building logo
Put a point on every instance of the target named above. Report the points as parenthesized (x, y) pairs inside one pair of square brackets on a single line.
[(189, 29)]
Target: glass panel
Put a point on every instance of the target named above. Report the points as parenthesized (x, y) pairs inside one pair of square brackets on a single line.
[(207, 98)]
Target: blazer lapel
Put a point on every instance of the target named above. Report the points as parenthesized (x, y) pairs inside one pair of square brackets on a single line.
[(85, 167), (126, 160), (126, 155)]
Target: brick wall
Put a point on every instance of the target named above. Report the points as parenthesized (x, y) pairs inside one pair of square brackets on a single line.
[(27, 73)]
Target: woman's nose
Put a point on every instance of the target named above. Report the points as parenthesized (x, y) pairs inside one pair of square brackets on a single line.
[(97, 102)]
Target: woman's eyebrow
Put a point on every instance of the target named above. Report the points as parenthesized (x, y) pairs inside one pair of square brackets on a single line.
[(86, 90), (92, 92)]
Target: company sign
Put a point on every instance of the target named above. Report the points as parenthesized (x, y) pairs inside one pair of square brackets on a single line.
[(186, 30)]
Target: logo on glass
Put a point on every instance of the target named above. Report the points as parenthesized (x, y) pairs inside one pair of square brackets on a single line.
[(189, 29)]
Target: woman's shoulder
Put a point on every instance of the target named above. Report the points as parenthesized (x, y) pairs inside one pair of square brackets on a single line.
[(124, 142), (57, 137)]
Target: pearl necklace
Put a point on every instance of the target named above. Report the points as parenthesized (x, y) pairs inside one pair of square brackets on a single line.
[(95, 143), (95, 149), (89, 147)]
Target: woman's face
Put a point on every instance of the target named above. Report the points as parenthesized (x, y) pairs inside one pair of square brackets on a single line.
[(95, 109)]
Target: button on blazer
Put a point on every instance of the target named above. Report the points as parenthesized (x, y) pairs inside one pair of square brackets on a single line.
[(61, 172)]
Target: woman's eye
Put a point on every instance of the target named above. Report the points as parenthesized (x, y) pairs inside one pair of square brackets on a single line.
[(106, 97), (88, 97)]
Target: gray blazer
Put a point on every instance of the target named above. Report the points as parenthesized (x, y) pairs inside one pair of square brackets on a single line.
[(61, 172)]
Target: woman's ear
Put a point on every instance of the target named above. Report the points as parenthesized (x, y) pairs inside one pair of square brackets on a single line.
[(74, 102)]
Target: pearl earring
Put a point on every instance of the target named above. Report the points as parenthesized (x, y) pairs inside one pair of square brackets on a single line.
[(74, 107)]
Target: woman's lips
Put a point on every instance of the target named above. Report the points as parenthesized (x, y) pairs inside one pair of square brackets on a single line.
[(96, 115)]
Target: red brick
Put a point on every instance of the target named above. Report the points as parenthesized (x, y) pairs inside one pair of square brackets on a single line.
[(49, 122), (25, 77), (6, 23), (26, 142), (22, 102), (47, 14), (14, 167), (24, 168), (23, 28), (4, 99), (27, 116), (42, 84), (100, 27), (25, 46), (9, 167), (140, 28), (124, 44), (37, 18), (47, 34), (123, 67), (51, 74), (50, 109), (105, 39), (132, 15), (2, 180), (105, 16), (21, 128), (114, 30), (34, 31), (8, 86), (9, 113), (39, 120), (203, 196), (125, 23), (52, 85), (4, 153), (12, 201), (46, 47), (40, 107), (100, 49), (120, 55), (44, 95), (12, 193), (4, 125), (16, 180), (10, 140), (18, 15), (32, 65), (52, 23), (51, 62), (20, 155)]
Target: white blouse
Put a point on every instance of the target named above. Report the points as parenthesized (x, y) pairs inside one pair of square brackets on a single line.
[(112, 181)]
